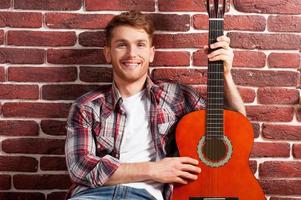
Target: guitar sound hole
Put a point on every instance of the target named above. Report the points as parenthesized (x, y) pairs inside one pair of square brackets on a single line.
[(215, 149)]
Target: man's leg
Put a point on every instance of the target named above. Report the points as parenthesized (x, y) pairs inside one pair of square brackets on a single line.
[(118, 192), (99, 193)]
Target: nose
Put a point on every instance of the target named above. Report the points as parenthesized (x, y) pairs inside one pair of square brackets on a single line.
[(132, 51)]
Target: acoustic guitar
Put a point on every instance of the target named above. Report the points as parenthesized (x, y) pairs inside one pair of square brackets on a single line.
[(220, 139)]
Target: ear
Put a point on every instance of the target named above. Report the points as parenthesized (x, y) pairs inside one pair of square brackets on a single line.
[(107, 54), (152, 54)]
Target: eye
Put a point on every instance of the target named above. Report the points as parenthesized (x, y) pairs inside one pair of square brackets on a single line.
[(141, 44), (121, 45)]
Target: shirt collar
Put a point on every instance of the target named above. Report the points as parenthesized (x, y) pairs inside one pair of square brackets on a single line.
[(150, 86)]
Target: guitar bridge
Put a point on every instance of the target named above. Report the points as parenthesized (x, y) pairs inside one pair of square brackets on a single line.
[(213, 198)]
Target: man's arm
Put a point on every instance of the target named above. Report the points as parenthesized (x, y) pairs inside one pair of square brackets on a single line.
[(86, 168), (225, 53), (169, 170)]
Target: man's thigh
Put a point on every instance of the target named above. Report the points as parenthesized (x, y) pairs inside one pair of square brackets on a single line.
[(99, 193), (118, 192)]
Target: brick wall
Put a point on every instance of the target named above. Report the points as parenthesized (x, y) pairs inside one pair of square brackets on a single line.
[(51, 53)]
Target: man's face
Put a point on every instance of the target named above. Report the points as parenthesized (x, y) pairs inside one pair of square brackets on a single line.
[(130, 53)]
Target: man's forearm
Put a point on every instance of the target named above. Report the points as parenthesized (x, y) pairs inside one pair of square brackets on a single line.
[(130, 172), (232, 94), (167, 170)]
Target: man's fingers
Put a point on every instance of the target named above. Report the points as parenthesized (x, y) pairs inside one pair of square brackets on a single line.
[(180, 180), (223, 38), (188, 160), (222, 44), (191, 168), (187, 175)]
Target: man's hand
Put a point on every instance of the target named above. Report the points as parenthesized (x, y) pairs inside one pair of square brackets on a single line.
[(175, 170), (223, 52)]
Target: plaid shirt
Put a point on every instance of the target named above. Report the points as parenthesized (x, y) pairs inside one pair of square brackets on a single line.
[(96, 124)]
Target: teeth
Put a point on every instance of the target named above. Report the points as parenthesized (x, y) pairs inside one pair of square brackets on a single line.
[(131, 64)]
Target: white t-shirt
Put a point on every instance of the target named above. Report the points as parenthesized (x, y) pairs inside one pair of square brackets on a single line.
[(137, 144)]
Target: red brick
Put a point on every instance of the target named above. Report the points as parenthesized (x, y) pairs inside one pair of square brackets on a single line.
[(284, 60), (22, 56), (34, 146), (281, 132), (75, 56), (41, 38), (65, 92), (256, 129), (177, 58), (265, 78), (8, 91), (181, 5), (21, 19), (200, 58), (171, 22), (18, 163), (284, 23), (265, 149), (19, 128), (200, 21), (233, 22), (53, 163), (42, 74), (191, 40), (53, 127), (297, 150), (270, 113), (1, 37), (5, 4), (278, 169), (41, 182), (268, 6), (77, 21), (96, 74), (36, 110), (265, 41), (22, 196), (142, 5), (92, 39), (248, 95), (56, 196), (245, 22), (47, 4), (254, 59), (298, 114), (253, 166), (185, 76), (2, 74), (281, 187), (269, 95), (5, 182)]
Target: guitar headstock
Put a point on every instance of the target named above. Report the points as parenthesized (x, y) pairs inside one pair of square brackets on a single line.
[(216, 8)]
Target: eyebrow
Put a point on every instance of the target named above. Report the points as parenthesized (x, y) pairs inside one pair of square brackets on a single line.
[(123, 40)]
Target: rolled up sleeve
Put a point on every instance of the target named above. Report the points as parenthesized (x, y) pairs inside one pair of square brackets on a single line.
[(84, 166)]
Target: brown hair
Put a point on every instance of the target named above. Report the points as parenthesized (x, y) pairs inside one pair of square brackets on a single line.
[(131, 18)]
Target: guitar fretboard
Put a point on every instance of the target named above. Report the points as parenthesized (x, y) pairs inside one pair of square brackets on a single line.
[(215, 87)]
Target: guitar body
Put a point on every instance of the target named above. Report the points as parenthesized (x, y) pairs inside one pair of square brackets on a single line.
[(233, 180)]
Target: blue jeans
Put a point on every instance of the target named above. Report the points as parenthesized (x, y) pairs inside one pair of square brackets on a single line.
[(117, 192)]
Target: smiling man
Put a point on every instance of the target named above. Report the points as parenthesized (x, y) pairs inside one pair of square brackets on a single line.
[(120, 136)]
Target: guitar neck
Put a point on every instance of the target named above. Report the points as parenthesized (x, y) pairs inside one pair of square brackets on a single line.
[(215, 85)]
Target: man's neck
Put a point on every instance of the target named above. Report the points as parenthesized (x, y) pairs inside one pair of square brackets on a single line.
[(127, 89)]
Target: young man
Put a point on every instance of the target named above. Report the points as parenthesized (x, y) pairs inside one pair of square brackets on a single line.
[(120, 135)]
